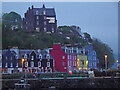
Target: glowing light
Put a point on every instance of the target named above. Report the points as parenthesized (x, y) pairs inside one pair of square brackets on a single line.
[(23, 60), (117, 61), (70, 72)]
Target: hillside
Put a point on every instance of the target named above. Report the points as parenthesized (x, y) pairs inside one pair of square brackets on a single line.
[(65, 35)]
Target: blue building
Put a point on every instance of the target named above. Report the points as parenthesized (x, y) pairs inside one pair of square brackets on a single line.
[(93, 62)]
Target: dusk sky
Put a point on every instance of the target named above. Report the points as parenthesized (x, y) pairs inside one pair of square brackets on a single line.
[(99, 19)]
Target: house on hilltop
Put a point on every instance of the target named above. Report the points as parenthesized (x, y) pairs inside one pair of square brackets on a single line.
[(40, 20)]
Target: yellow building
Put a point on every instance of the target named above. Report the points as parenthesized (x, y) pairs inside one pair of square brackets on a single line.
[(82, 62)]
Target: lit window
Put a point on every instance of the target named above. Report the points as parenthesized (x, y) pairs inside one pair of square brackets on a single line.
[(6, 65), (26, 64), (48, 64), (37, 17), (32, 64), (39, 64), (40, 56), (37, 12)]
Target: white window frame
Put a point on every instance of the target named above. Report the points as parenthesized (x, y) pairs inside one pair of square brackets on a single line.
[(48, 64)]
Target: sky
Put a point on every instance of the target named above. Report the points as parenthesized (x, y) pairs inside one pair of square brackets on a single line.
[(99, 19)]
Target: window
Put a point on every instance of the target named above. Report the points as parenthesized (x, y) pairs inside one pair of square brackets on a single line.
[(36, 12), (39, 64), (68, 56), (37, 17), (11, 65), (75, 57), (17, 65), (48, 64), (44, 17), (37, 22), (40, 56), (63, 57), (44, 12), (45, 29), (32, 64), (11, 58), (44, 23), (0, 64), (68, 63), (52, 30), (63, 63), (48, 57), (75, 63), (6, 57), (26, 64), (25, 56), (32, 58), (6, 65)]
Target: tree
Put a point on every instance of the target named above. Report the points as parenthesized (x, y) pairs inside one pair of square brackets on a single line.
[(102, 49)]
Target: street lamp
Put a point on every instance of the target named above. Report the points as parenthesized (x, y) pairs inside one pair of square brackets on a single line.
[(117, 63), (106, 61)]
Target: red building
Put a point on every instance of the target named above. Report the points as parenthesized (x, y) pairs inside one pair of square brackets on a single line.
[(60, 58)]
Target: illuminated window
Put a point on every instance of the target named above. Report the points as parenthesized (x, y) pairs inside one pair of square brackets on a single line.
[(32, 58)]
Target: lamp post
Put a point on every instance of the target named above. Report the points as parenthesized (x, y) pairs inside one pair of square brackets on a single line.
[(117, 63), (106, 62)]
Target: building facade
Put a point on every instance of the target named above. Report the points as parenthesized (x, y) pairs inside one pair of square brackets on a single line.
[(40, 20)]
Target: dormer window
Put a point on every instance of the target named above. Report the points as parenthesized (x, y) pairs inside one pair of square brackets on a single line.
[(40, 56), (48, 57)]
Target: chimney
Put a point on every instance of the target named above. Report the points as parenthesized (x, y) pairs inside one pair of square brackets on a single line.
[(32, 6), (29, 8), (43, 6)]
